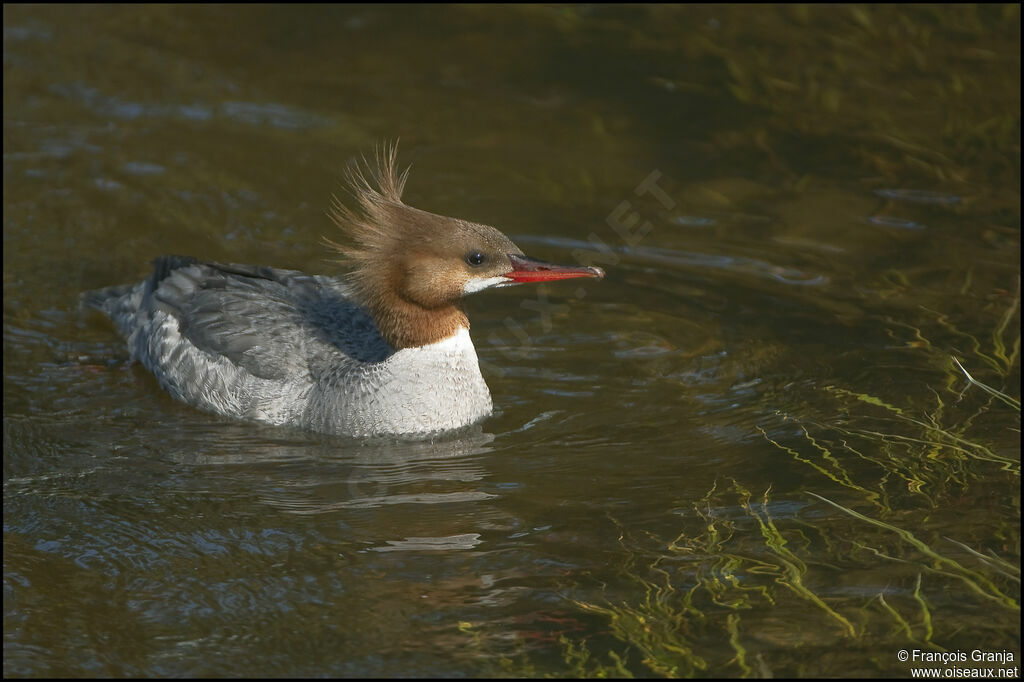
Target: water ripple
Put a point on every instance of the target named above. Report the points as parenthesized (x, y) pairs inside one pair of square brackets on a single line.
[(901, 223), (683, 259), (463, 541), (918, 196), (253, 113)]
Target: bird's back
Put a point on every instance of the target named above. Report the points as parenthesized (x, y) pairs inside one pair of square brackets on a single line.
[(245, 341)]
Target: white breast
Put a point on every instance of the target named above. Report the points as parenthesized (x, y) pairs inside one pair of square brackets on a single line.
[(416, 390)]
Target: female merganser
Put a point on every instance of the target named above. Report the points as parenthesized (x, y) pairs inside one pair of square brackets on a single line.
[(384, 351)]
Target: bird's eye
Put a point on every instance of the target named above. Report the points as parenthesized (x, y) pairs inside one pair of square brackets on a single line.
[(475, 258)]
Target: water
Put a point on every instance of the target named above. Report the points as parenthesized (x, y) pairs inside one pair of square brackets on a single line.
[(804, 214)]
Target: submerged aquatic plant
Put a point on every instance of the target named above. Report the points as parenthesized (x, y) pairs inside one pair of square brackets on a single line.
[(882, 450), (722, 596), (855, 559)]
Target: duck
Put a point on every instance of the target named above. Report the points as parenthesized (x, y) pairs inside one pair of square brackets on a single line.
[(383, 349)]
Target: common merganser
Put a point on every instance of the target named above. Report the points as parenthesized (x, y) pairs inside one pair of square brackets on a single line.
[(385, 350)]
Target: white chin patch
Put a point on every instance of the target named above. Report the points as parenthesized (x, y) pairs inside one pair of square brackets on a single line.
[(476, 284)]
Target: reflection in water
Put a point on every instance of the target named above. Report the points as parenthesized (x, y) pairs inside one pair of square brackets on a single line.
[(323, 477)]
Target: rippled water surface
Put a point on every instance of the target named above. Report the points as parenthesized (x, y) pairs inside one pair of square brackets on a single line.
[(749, 451)]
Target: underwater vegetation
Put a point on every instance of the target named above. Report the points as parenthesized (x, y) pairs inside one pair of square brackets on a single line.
[(904, 530), (900, 538)]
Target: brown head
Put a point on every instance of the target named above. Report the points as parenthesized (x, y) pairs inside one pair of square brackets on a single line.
[(411, 268)]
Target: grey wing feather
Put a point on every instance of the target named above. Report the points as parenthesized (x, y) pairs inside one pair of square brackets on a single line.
[(274, 324)]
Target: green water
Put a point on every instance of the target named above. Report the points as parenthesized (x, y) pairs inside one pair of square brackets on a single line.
[(746, 452)]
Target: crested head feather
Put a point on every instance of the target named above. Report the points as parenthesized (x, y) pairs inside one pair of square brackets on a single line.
[(377, 190), (375, 187)]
